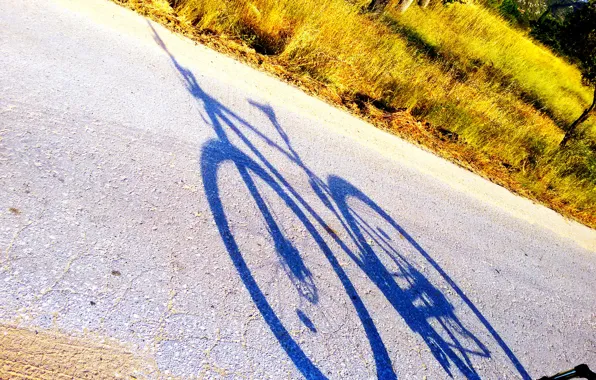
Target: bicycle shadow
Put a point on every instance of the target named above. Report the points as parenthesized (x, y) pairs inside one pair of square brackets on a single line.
[(415, 299)]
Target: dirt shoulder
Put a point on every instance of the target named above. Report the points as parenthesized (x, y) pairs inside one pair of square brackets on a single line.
[(37, 354)]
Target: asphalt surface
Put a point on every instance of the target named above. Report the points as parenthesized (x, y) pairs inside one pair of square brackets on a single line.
[(210, 225)]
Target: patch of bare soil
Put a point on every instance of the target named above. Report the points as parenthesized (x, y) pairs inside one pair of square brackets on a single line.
[(36, 354)]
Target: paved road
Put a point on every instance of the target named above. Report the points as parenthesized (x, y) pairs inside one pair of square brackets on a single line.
[(161, 195)]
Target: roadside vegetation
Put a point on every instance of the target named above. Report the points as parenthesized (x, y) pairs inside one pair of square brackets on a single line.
[(456, 78)]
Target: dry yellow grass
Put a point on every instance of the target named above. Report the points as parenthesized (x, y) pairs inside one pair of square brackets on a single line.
[(495, 100)]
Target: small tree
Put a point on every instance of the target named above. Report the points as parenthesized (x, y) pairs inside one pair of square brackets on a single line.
[(578, 41)]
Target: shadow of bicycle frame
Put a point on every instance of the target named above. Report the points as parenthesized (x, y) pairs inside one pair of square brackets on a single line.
[(337, 194)]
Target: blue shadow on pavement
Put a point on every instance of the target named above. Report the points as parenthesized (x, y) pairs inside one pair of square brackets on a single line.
[(416, 304)]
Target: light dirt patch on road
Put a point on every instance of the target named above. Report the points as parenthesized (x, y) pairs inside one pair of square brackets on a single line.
[(36, 354)]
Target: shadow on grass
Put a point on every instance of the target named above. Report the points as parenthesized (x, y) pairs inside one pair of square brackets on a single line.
[(462, 69)]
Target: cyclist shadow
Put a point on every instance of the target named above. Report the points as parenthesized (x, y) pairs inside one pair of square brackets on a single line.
[(405, 298), (336, 193)]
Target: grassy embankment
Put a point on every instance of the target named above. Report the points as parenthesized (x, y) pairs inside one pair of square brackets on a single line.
[(457, 79)]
